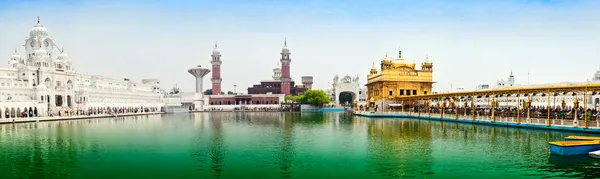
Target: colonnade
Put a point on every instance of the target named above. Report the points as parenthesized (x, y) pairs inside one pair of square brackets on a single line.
[(463, 106)]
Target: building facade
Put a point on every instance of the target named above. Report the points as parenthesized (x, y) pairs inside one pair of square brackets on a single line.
[(44, 82), (282, 83), (397, 77)]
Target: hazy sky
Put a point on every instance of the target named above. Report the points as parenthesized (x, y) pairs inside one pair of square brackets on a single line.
[(470, 42)]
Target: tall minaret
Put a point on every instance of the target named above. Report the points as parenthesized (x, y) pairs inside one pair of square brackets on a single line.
[(285, 69), (216, 71)]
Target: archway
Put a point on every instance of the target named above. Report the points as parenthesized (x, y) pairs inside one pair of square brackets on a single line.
[(6, 113), (1, 114), (346, 84), (35, 111), (597, 102), (19, 112), (69, 104), (30, 112), (59, 100), (12, 112), (346, 98)]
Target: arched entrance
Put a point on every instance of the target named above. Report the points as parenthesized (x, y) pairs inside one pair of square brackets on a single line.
[(346, 98), (597, 102), (12, 112), (6, 113), (69, 104), (346, 85), (35, 111), (59, 100)]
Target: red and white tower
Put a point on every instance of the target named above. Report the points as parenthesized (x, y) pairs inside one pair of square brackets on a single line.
[(216, 71), (285, 69)]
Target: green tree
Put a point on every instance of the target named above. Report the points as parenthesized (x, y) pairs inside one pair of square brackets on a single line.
[(314, 97), (291, 99), (229, 92), (208, 92)]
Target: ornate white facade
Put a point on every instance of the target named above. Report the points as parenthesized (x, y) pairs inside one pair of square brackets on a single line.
[(43, 81), (346, 84)]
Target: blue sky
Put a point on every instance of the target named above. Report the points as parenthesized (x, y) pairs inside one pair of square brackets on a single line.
[(471, 42)]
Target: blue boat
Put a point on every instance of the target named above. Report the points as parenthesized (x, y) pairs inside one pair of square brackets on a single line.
[(574, 147)]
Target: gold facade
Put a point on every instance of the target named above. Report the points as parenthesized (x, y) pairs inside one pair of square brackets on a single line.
[(399, 78)]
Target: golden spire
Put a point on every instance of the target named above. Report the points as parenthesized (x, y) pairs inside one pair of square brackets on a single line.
[(215, 44), (285, 42), (38, 19)]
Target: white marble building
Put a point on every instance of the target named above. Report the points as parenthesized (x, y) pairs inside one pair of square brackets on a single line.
[(42, 80)]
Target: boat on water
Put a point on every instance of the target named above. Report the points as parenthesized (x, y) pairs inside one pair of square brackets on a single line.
[(581, 138), (595, 154), (574, 147)]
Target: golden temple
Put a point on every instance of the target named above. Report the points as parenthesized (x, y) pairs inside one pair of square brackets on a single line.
[(399, 78)]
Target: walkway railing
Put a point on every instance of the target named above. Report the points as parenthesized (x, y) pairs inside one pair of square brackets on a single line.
[(507, 119)]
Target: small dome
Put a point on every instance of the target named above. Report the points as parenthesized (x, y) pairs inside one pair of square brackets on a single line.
[(63, 56), (285, 50), (15, 56), (40, 52), (216, 52), (13, 61), (41, 87), (38, 30)]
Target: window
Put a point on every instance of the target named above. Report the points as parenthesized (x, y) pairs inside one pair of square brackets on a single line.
[(424, 92), (407, 92), (401, 92), (23, 74), (414, 92), (391, 92)]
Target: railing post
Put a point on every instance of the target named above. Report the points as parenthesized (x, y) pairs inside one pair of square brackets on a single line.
[(585, 116), (518, 108), (548, 120), (473, 108)]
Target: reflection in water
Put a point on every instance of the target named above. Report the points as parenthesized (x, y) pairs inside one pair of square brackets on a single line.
[(216, 147), (280, 145), (399, 148), (285, 154)]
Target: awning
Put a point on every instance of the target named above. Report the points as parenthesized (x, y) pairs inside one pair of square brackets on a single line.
[(395, 105)]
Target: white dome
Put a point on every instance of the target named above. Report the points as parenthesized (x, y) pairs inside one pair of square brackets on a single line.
[(216, 52), (40, 52), (41, 87), (12, 61), (285, 50), (63, 56), (58, 61), (15, 57), (38, 30)]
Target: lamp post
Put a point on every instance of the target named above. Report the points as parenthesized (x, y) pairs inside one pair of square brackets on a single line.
[(234, 89)]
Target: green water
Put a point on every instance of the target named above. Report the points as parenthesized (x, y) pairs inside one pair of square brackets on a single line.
[(279, 145)]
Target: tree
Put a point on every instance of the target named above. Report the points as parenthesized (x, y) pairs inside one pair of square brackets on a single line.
[(291, 99), (229, 92), (314, 97), (208, 92), (222, 92)]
